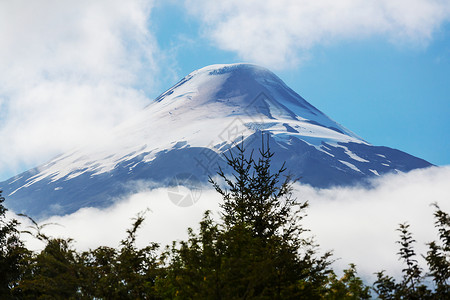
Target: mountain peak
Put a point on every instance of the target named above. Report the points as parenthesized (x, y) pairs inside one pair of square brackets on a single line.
[(241, 75), (188, 128), (241, 89), (220, 69)]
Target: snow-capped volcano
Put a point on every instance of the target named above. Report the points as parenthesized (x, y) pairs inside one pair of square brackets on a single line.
[(187, 129)]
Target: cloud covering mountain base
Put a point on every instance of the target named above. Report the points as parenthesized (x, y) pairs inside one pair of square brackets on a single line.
[(357, 223), (360, 224)]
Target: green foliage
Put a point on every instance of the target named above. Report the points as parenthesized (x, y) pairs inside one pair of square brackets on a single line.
[(257, 199), (194, 268), (12, 253), (59, 272), (348, 287), (412, 274), (412, 285), (438, 255), (386, 287), (124, 273), (50, 274), (258, 250)]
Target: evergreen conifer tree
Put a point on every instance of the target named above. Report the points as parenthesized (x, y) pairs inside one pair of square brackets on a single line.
[(258, 250)]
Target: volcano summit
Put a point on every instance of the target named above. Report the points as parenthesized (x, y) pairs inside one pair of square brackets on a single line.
[(185, 132)]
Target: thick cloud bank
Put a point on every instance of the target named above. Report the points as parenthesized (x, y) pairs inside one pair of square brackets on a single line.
[(278, 33), (164, 220), (358, 224)]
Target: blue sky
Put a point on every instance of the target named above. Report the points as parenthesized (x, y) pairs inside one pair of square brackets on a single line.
[(69, 71)]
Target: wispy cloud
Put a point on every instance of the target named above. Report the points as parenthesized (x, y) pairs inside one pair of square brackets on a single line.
[(357, 223), (279, 33), (69, 71)]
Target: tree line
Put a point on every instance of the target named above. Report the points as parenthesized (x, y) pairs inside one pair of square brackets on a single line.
[(258, 249)]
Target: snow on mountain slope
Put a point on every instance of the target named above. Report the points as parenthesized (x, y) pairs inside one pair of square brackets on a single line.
[(187, 129)]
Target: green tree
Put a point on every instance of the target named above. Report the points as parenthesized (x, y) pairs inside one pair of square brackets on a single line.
[(194, 269), (438, 255), (125, 273), (437, 258), (12, 253), (412, 284), (258, 250), (386, 287), (412, 274), (348, 287), (60, 272), (51, 274)]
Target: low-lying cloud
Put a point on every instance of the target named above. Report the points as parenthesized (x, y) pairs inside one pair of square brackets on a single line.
[(360, 224), (164, 220), (279, 33), (357, 223)]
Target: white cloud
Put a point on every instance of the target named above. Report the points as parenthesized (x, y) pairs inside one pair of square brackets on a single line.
[(164, 222), (357, 223), (69, 71), (279, 33), (360, 224)]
